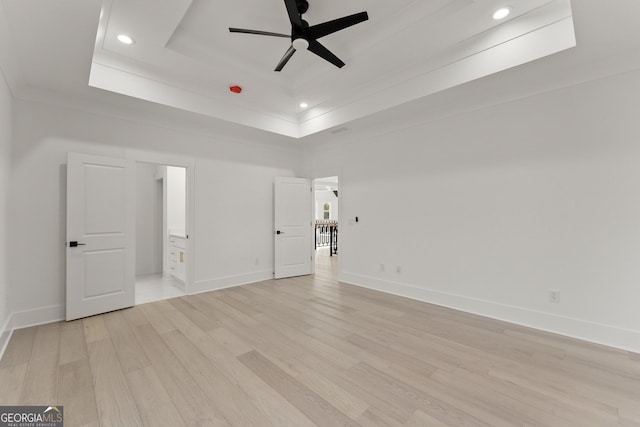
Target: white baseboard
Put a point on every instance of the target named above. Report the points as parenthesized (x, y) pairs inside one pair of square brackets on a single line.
[(230, 281), (5, 336), (27, 318), (38, 316), (598, 333)]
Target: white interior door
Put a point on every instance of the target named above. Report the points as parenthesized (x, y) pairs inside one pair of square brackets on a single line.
[(100, 235), (293, 227)]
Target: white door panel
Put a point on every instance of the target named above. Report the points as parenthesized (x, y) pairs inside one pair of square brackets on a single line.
[(293, 219), (104, 272), (293, 250), (100, 213), (105, 198)]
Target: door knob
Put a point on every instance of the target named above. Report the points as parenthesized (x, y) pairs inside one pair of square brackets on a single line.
[(279, 232), (73, 244)]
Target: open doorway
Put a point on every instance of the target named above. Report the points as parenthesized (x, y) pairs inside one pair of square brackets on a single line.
[(160, 232), (327, 224)]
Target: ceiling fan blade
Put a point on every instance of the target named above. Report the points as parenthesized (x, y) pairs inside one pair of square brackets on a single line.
[(294, 13), (260, 33), (324, 53), (287, 56), (329, 27)]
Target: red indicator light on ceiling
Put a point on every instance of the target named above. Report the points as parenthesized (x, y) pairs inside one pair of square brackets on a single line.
[(235, 89)]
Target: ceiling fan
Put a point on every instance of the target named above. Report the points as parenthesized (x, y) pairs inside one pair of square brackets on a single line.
[(304, 36)]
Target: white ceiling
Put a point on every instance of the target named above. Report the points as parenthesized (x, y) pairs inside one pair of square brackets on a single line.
[(185, 57), (329, 183), (409, 53)]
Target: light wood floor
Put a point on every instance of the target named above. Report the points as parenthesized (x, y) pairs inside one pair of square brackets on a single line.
[(312, 352)]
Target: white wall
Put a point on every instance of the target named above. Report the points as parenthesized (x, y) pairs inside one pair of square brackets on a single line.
[(148, 219), (235, 214), (233, 194), (489, 210), (176, 199), (6, 126)]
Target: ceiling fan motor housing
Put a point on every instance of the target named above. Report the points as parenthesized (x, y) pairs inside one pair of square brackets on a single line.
[(303, 6), (299, 32)]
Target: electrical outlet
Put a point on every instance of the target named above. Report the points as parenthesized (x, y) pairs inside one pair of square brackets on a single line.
[(554, 297), (382, 268)]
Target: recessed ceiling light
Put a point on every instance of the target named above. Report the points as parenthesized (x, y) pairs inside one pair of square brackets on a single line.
[(303, 105), (125, 39), (501, 13)]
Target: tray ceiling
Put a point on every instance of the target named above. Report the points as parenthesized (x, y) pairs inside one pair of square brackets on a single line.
[(185, 57)]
